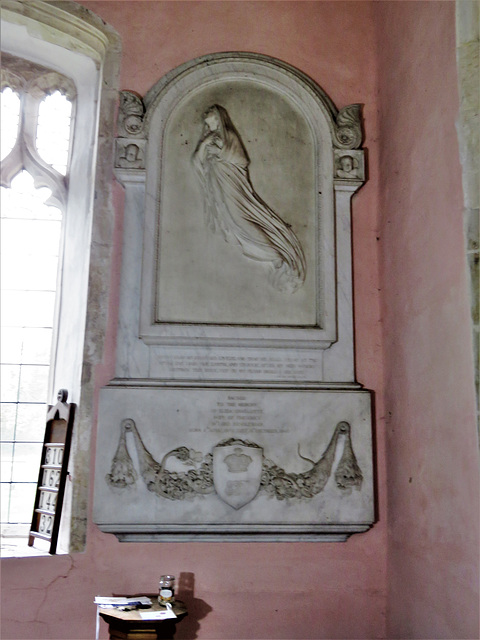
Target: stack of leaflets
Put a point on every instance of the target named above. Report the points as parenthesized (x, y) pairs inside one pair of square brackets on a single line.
[(109, 602)]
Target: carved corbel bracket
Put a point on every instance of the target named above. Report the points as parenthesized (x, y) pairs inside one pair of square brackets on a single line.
[(130, 144)]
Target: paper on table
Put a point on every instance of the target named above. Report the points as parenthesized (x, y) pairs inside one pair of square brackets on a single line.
[(157, 615), (120, 602)]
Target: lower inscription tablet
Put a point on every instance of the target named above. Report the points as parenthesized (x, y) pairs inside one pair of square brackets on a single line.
[(223, 464)]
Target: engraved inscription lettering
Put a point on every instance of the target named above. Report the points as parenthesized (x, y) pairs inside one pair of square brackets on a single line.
[(251, 365), (237, 414)]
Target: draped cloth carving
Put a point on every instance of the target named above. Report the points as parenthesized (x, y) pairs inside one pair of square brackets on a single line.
[(234, 209), (275, 481)]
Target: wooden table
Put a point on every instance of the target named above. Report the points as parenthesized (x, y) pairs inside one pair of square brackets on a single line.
[(128, 625)]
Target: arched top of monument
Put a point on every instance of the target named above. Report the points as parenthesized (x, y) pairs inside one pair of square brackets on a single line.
[(344, 124)]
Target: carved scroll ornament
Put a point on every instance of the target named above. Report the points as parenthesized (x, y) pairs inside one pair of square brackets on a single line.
[(130, 145), (131, 114), (349, 165), (348, 130)]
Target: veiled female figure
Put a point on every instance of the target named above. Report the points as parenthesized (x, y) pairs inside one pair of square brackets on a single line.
[(233, 208)]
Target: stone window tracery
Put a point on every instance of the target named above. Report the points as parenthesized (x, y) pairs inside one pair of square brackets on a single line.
[(61, 53), (37, 106)]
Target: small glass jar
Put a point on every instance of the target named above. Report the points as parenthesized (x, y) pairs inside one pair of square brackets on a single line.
[(166, 590)]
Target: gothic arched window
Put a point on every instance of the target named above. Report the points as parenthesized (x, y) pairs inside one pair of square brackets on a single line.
[(36, 122), (59, 92)]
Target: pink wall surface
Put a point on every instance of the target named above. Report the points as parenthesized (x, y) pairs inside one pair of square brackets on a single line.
[(285, 590), (294, 590), (306, 590), (432, 461)]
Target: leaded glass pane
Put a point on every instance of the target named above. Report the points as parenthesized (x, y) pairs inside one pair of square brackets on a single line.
[(53, 130), (31, 240), (10, 111)]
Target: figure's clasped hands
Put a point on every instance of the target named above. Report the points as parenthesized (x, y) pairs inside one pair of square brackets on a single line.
[(212, 144)]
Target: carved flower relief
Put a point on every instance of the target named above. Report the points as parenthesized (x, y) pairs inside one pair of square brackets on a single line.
[(133, 124)]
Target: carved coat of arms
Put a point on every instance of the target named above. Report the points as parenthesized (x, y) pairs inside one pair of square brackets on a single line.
[(237, 471)]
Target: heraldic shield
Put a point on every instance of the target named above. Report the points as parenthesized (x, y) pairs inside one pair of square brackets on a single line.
[(237, 471)]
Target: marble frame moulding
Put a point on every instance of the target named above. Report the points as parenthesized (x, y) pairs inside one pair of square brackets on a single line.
[(185, 264), (235, 412)]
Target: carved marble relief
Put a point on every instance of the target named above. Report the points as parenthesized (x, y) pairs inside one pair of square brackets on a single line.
[(130, 144), (131, 114), (241, 200), (234, 461), (349, 165), (235, 390), (235, 469), (348, 130), (130, 155), (233, 208)]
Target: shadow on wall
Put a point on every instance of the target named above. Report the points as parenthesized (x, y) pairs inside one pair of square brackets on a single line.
[(197, 609)]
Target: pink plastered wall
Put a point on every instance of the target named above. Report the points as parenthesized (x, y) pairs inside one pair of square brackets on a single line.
[(286, 590), (306, 590), (432, 460)]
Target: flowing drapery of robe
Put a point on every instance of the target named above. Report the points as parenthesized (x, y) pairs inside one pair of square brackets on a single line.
[(233, 208)]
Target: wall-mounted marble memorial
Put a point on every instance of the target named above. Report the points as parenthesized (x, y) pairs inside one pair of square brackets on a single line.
[(228, 464), (235, 410)]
